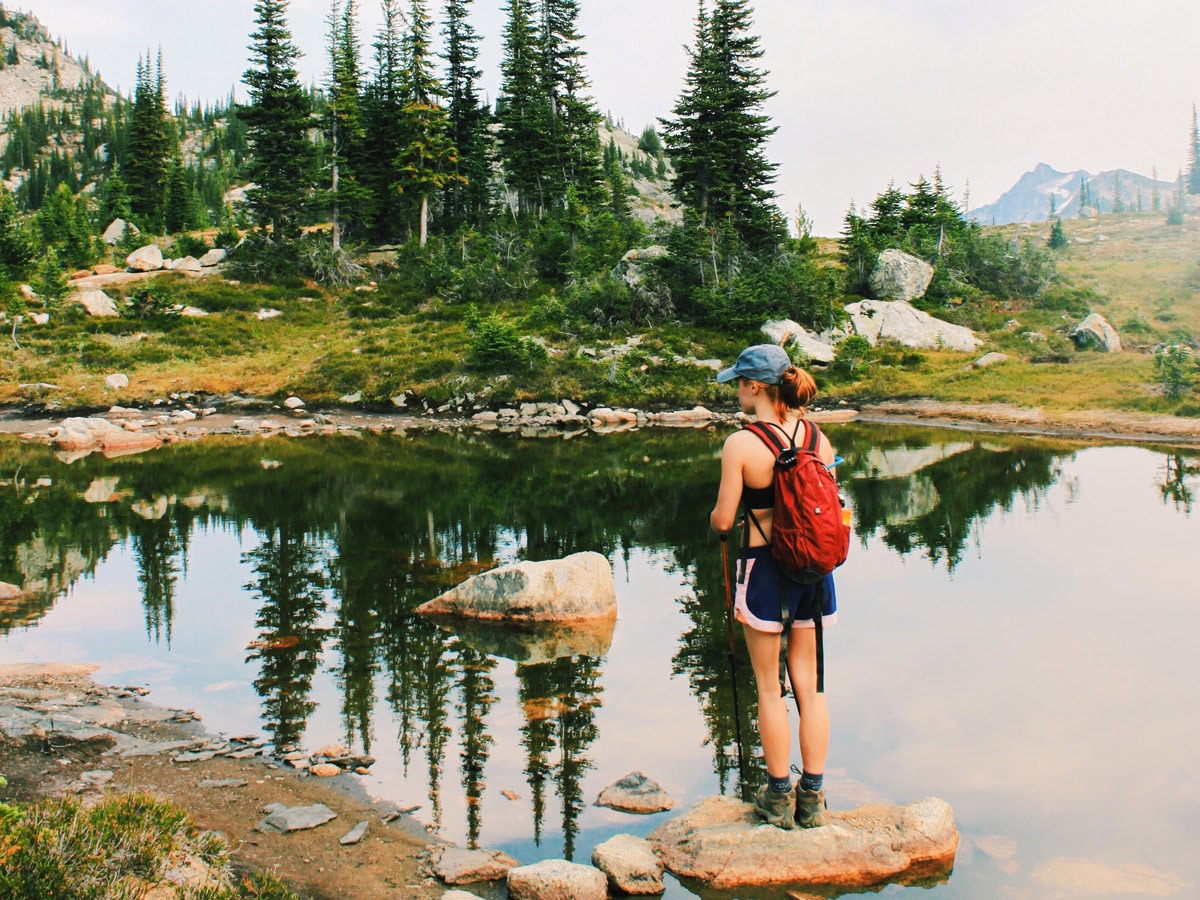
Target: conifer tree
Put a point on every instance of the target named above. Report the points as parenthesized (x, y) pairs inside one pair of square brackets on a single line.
[(1193, 185), (574, 118), (383, 127), (276, 123), (466, 197), (427, 163), (147, 152), (718, 133), (343, 125), (1155, 203), (523, 113), (177, 212), (1118, 202)]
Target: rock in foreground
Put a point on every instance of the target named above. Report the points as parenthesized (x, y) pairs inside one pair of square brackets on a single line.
[(557, 879), (722, 843), (630, 864), (579, 587)]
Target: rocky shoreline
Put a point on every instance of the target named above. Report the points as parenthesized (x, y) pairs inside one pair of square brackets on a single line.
[(187, 417)]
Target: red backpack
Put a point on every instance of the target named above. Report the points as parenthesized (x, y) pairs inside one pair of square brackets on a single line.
[(808, 536)]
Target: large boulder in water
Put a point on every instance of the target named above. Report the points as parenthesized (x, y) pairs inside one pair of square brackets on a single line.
[(577, 588), (879, 320), (721, 842), (900, 276)]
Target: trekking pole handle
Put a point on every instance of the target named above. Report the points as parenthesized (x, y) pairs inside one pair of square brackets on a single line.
[(837, 461)]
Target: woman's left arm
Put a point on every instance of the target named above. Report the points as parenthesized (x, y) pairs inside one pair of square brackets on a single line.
[(729, 494)]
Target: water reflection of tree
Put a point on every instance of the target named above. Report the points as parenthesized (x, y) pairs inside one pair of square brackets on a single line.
[(290, 586), (476, 695), (1175, 488), (560, 699), (157, 543), (959, 492)]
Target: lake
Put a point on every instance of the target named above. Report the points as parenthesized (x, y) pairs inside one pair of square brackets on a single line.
[(1017, 630)]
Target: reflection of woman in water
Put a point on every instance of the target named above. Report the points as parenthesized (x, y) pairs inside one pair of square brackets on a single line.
[(776, 392)]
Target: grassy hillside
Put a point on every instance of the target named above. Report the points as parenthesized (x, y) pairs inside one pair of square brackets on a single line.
[(383, 341)]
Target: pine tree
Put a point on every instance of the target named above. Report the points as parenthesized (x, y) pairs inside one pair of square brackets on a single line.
[(466, 197), (523, 113), (276, 124), (344, 121), (383, 126), (1058, 237), (1118, 202), (574, 118), (1155, 203), (178, 208), (717, 135), (1193, 185), (147, 153), (428, 163)]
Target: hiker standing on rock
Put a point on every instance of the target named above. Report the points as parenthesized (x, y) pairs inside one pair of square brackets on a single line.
[(776, 393)]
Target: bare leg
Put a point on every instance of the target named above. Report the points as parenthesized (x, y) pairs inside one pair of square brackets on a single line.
[(773, 726), (814, 718)]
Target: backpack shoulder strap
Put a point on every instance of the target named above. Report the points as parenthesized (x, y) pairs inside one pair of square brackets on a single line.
[(767, 435), (814, 435)]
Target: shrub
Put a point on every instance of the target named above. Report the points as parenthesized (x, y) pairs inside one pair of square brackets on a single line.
[(187, 245), (149, 303), (496, 344), (854, 354), (1176, 368)]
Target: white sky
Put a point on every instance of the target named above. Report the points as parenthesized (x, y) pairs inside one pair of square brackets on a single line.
[(868, 90)]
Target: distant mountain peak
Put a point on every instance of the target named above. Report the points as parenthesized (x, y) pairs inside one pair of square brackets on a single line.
[(1029, 199)]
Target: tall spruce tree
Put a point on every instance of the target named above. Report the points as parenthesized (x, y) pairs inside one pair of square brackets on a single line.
[(574, 140), (523, 112), (383, 127), (427, 163), (1193, 186), (343, 123), (718, 133), (277, 121), (148, 149), (466, 198)]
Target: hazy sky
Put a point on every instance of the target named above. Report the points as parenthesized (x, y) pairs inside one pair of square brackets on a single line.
[(868, 90)]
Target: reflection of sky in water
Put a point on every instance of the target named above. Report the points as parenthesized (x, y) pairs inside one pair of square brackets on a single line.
[(1048, 688)]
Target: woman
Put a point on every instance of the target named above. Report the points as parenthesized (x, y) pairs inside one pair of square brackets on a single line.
[(776, 393)]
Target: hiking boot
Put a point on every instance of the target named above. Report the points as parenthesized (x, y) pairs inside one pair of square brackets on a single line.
[(809, 805), (775, 808)]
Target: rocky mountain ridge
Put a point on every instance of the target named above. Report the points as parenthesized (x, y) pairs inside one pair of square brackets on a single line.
[(42, 67), (1029, 199)]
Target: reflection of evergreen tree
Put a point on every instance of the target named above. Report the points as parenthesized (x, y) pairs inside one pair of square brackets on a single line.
[(1175, 487), (476, 696), (156, 543), (290, 587), (560, 699), (354, 631), (961, 491), (703, 655)]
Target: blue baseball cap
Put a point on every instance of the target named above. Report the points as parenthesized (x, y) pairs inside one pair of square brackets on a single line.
[(762, 362)]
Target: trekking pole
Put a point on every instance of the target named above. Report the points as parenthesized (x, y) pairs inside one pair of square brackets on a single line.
[(737, 709)]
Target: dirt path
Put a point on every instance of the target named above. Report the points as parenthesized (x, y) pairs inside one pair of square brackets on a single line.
[(97, 728)]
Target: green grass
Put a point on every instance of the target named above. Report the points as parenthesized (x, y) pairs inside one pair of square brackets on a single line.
[(119, 848), (1144, 277)]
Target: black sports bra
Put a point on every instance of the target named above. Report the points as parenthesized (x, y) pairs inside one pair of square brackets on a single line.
[(759, 498)]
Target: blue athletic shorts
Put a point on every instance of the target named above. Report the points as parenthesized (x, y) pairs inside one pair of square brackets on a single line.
[(758, 600)]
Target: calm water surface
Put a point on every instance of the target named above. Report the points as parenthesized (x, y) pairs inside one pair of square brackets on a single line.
[(1017, 630)]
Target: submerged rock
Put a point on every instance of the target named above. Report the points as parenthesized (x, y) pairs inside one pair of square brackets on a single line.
[(721, 842), (636, 793), (535, 642), (578, 587)]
